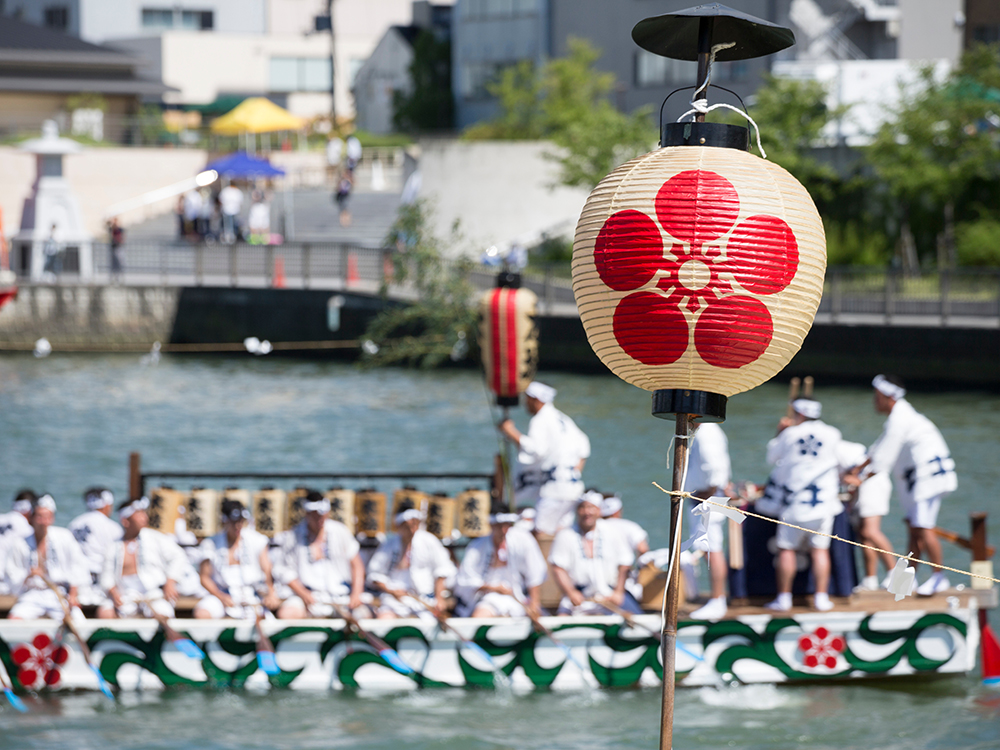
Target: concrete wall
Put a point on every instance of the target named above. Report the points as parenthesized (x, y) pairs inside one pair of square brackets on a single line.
[(100, 177), (96, 315), (385, 72), (498, 190), (927, 29)]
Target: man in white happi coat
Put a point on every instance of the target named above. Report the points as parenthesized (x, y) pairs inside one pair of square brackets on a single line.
[(870, 504), (235, 569), (550, 458), (47, 555), (321, 565), (912, 449), (141, 571), (14, 525), (502, 573), (709, 474), (806, 455), (410, 564), (96, 532), (591, 561), (636, 536)]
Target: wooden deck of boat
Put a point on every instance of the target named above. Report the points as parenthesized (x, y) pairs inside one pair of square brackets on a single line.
[(868, 601)]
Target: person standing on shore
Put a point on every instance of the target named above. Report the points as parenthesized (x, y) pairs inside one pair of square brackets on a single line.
[(550, 460), (806, 456), (709, 475), (116, 236), (912, 449), (96, 533), (49, 555)]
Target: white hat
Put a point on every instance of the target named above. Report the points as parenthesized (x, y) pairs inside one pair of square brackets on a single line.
[(807, 407), (46, 501), (98, 500), (883, 386), (593, 497), (408, 515), (544, 393), (610, 506)]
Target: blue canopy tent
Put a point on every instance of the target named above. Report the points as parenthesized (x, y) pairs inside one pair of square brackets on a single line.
[(240, 165)]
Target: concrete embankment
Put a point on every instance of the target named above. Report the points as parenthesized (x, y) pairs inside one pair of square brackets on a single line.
[(197, 318)]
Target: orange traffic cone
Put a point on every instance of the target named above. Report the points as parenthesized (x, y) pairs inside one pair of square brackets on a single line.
[(353, 277), (279, 272)]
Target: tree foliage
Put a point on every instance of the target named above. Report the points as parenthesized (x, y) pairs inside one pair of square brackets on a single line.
[(567, 102), (440, 324), (429, 105)]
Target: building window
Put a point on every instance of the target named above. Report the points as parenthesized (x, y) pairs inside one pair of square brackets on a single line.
[(987, 33), (57, 17), (654, 70), (300, 74), (175, 18), (498, 8)]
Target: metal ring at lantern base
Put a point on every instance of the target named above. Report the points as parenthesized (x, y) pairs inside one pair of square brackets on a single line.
[(704, 406), (705, 134), (508, 280), (508, 400)]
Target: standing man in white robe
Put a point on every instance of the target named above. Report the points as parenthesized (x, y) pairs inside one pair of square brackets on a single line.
[(591, 561), (502, 573), (708, 475), (412, 563), (321, 564), (142, 570), (96, 533), (912, 449), (14, 525), (806, 456), (49, 553), (550, 459), (235, 569)]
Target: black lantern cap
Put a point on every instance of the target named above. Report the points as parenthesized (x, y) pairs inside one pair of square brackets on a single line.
[(675, 35)]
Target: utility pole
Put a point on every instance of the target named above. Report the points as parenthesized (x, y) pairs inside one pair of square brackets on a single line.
[(333, 66)]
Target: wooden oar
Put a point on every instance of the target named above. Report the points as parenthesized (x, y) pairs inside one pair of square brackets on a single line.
[(631, 622), (266, 659), (807, 386), (552, 637), (185, 645), (5, 682), (388, 654), (443, 622), (961, 541), (793, 393), (84, 649)]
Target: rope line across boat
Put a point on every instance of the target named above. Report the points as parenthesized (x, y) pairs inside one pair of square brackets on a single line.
[(830, 536)]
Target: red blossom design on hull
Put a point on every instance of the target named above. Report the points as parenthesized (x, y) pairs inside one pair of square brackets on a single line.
[(712, 278), (38, 662), (821, 648)]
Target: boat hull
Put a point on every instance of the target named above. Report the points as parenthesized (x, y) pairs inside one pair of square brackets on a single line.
[(323, 654)]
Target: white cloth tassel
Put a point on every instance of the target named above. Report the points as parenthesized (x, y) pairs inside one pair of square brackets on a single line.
[(902, 579)]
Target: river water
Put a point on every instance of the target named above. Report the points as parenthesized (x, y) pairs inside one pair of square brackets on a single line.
[(67, 422)]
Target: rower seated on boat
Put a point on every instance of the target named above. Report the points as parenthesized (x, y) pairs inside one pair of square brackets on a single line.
[(502, 573), (96, 532), (13, 525), (235, 569), (47, 558), (321, 564), (591, 561), (410, 564), (141, 571)]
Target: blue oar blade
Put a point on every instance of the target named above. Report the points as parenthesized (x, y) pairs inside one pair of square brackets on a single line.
[(15, 701), (689, 652), (267, 663), (189, 648), (480, 652), (393, 660), (102, 683)]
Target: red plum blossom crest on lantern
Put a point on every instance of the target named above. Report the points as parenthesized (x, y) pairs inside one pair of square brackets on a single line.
[(709, 273)]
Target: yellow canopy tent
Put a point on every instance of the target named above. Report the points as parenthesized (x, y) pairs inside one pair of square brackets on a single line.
[(256, 115)]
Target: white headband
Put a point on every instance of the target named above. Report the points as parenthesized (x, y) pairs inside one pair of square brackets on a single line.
[(141, 504), (236, 514), (316, 506), (528, 514), (407, 515), (504, 518), (886, 388), (610, 506), (21, 506), (808, 408), (46, 501), (544, 393), (98, 500), (593, 497)]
